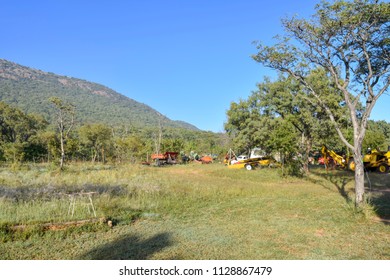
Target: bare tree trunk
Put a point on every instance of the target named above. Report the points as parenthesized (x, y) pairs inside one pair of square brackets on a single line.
[(94, 155), (62, 160), (65, 118), (359, 183), (159, 137), (48, 153), (359, 173)]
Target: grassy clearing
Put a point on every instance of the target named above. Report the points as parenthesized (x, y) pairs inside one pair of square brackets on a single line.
[(191, 212)]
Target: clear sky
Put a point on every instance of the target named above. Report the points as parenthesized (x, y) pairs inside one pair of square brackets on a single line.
[(187, 59)]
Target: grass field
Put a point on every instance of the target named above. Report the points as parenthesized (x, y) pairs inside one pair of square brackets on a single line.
[(190, 212)]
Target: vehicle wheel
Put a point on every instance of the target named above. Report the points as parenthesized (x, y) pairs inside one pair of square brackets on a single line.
[(383, 168), (248, 167), (351, 165)]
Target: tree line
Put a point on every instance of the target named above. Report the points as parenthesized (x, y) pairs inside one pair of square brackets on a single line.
[(31, 138)]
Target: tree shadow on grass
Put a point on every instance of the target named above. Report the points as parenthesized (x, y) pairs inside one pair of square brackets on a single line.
[(130, 247), (377, 189), (338, 179), (381, 202)]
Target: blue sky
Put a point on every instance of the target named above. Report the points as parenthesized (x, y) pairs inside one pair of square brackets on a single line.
[(187, 59)]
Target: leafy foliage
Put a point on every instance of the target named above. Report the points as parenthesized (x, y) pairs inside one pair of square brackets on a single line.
[(29, 138), (377, 136), (97, 137), (282, 117), (348, 40), (18, 139)]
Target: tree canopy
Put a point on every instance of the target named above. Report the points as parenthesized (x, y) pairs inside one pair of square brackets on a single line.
[(350, 41)]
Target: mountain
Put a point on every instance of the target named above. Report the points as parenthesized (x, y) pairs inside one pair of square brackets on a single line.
[(29, 89)]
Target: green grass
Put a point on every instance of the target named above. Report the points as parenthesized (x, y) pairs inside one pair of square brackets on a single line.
[(191, 212)]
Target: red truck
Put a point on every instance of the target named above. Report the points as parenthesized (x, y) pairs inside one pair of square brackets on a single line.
[(167, 158)]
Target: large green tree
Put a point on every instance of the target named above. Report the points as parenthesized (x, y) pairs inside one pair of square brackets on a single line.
[(285, 103), (253, 123), (287, 99), (349, 40), (245, 125)]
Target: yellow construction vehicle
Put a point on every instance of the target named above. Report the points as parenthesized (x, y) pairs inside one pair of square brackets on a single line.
[(331, 157), (373, 160), (377, 160)]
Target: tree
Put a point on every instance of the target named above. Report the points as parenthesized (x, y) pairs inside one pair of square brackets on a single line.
[(158, 136), (377, 136), (172, 144), (65, 113), (130, 148), (288, 99), (283, 140), (18, 140), (244, 125), (284, 103), (96, 136), (256, 123), (349, 40)]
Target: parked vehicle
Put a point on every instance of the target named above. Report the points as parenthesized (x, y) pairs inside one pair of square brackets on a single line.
[(372, 160), (377, 160), (242, 157), (331, 158), (167, 158)]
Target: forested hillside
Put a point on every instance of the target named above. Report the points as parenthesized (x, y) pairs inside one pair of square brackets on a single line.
[(29, 89), (45, 117)]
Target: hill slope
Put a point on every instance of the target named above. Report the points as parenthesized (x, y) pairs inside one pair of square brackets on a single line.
[(30, 89)]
